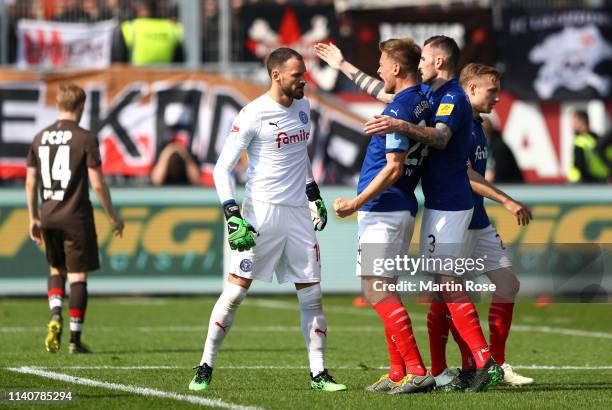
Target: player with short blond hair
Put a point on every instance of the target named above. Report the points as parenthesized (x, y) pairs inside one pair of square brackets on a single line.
[(63, 159), (387, 209)]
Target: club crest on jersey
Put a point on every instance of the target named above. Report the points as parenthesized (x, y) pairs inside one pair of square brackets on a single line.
[(246, 265), (284, 139), (445, 109), (235, 128), (303, 117)]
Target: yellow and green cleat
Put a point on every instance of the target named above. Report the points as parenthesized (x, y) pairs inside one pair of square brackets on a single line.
[(383, 384), (54, 335)]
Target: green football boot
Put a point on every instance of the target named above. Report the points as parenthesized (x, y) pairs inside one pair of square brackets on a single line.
[(459, 383), (490, 375), (202, 379), (323, 381)]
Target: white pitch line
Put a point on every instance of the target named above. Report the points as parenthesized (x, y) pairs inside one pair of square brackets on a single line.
[(560, 331), (536, 367), (143, 391), (152, 329), (289, 329), (281, 367)]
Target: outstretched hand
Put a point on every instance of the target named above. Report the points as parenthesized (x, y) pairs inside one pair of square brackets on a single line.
[(330, 54)]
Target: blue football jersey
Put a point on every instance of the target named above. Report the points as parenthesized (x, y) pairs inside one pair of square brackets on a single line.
[(478, 158), (410, 105), (446, 186)]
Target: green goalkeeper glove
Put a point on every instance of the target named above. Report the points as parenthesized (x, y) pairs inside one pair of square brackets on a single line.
[(318, 212), (241, 235)]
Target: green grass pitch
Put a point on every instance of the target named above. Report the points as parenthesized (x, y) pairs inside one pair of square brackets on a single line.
[(152, 343)]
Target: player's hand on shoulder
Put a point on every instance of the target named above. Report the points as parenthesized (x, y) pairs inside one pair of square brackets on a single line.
[(330, 54), (380, 124), (344, 207), (35, 232), (521, 211)]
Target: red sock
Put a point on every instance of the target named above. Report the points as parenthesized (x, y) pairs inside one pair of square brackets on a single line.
[(467, 323), (467, 360), (500, 318), (396, 319), (397, 369), (437, 328)]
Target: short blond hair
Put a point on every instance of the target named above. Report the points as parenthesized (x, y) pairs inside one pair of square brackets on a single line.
[(473, 71), (404, 51), (70, 97)]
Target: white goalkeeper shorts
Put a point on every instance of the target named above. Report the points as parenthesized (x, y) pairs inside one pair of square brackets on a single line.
[(382, 235), (444, 240), (286, 245), (486, 245)]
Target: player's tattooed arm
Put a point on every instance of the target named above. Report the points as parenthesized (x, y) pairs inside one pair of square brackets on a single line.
[(370, 85), (437, 137), (484, 188)]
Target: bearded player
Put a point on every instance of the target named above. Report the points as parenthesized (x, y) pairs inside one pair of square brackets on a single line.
[(274, 130)]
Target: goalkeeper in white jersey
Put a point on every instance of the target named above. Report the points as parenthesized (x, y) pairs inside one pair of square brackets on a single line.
[(280, 192)]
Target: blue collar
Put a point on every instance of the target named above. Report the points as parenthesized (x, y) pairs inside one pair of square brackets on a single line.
[(453, 82), (407, 91)]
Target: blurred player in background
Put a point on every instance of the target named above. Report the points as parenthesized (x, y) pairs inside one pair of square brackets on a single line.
[(274, 129), (482, 86), (387, 209), (62, 159)]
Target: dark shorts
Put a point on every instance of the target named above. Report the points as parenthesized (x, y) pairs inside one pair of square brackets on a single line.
[(74, 250)]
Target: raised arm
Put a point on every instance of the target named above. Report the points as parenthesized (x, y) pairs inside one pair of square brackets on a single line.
[(369, 85)]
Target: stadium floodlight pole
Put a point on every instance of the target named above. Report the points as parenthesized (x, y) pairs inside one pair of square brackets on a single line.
[(225, 27), (191, 19)]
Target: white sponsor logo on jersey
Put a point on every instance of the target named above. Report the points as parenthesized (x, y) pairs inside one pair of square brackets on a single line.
[(481, 153)]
